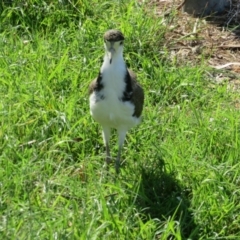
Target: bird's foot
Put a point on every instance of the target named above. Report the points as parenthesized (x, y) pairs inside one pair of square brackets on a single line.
[(108, 160), (117, 166)]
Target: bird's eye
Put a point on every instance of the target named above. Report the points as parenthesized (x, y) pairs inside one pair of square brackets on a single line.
[(121, 43)]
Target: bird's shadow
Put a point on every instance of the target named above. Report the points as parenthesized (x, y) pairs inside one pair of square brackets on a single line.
[(160, 196)]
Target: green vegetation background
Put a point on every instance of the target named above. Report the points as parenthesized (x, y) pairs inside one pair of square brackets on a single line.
[(181, 172)]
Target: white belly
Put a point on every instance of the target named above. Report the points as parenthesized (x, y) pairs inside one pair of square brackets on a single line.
[(112, 112)]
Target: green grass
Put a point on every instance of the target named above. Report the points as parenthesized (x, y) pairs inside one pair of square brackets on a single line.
[(180, 174)]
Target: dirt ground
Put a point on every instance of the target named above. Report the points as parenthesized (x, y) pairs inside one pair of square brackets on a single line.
[(217, 38)]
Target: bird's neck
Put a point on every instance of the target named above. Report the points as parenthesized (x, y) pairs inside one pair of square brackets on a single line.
[(114, 73), (117, 60)]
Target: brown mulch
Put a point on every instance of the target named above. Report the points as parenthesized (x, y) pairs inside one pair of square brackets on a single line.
[(192, 38)]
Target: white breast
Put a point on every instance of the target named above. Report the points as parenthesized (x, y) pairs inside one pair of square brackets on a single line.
[(111, 111)]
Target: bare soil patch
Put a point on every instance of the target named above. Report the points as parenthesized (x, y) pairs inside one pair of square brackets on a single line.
[(215, 39)]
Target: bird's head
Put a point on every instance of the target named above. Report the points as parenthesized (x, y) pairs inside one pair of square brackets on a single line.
[(113, 43)]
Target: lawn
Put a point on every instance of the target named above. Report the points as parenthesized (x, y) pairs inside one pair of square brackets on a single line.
[(180, 174)]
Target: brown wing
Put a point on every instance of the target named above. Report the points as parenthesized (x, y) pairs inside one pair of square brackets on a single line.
[(96, 84), (92, 86), (138, 94)]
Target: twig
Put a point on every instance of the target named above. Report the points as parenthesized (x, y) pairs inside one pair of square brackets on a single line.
[(181, 4), (229, 46), (227, 65)]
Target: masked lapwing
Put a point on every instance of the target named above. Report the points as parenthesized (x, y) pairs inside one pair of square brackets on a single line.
[(116, 98)]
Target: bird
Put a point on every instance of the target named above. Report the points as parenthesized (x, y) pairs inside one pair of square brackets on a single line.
[(116, 98)]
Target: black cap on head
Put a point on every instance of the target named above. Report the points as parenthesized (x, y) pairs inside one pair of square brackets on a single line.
[(113, 35)]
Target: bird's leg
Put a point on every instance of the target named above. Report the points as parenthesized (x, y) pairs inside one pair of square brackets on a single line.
[(117, 162), (106, 137), (108, 156), (121, 138)]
